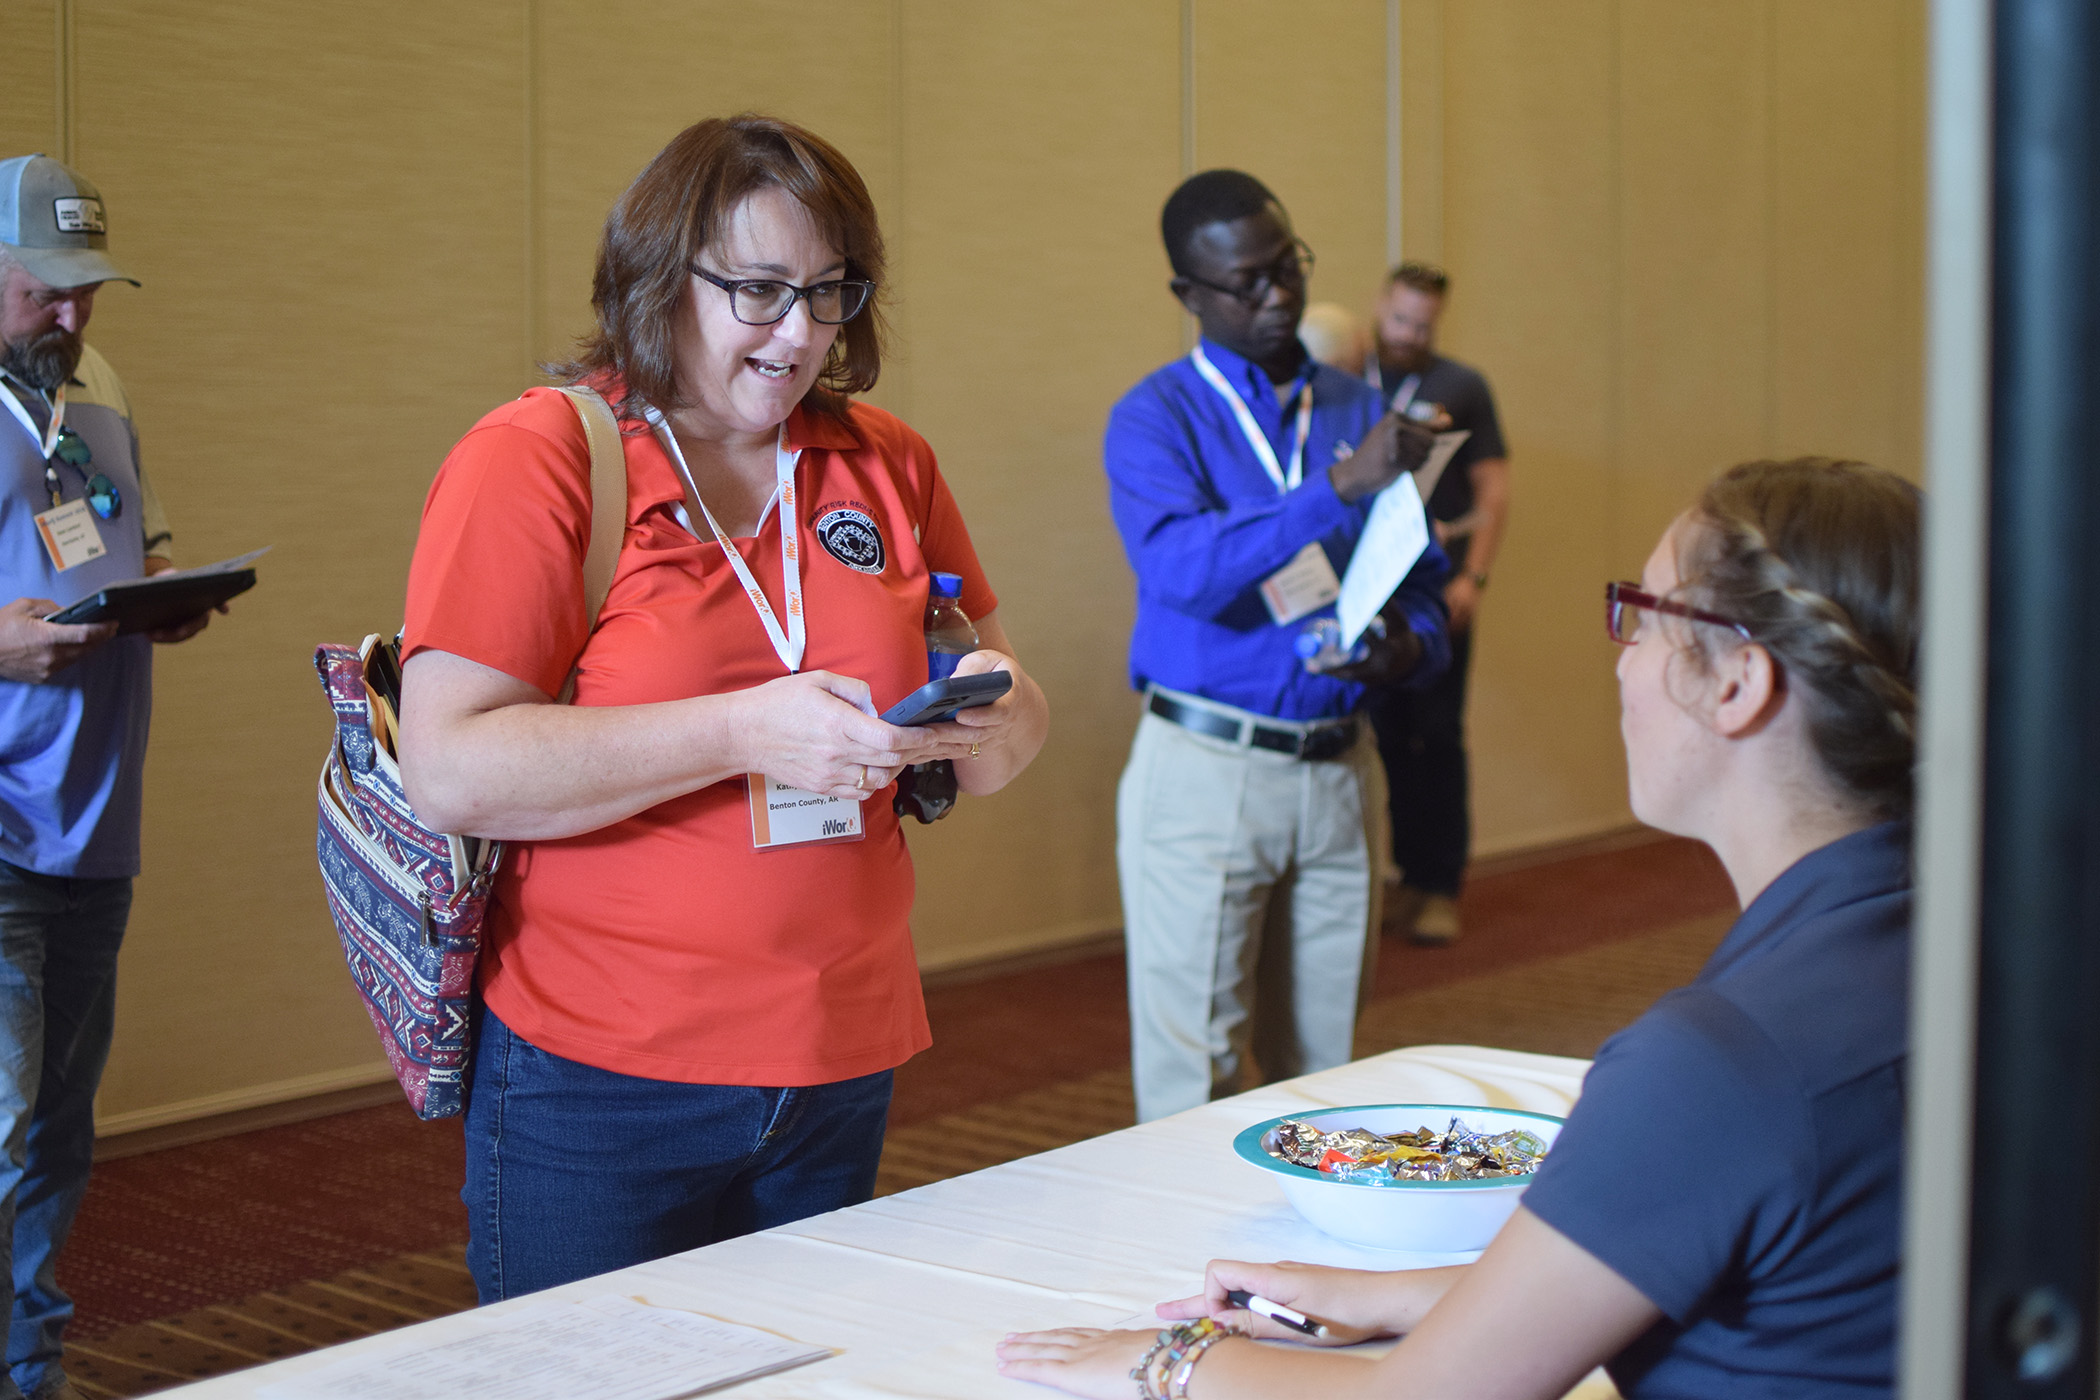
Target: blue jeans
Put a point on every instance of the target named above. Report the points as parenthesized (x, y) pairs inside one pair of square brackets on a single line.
[(58, 1000), (574, 1170)]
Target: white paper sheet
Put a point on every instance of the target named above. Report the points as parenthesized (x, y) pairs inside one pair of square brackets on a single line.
[(224, 566), (607, 1347), (1393, 539)]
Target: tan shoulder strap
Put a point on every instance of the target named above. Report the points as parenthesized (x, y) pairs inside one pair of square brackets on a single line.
[(608, 505)]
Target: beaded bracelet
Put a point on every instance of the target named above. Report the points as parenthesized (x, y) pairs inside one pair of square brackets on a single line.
[(1178, 1386), (1173, 1355)]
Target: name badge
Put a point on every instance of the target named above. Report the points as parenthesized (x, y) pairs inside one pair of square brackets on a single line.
[(788, 816), (1304, 585), (69, 535)]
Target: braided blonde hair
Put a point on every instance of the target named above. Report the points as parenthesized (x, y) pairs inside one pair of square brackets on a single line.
[(1819, 558)]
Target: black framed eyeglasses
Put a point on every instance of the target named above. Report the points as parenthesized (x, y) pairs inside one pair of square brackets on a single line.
[(101, 494), (1292, 269), (1625, 602), (762, 301)]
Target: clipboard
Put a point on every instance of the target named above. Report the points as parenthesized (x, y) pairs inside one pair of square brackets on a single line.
[(146, 604)]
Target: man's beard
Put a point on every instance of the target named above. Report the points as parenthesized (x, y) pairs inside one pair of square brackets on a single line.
[(45, 361), (1410, 358)]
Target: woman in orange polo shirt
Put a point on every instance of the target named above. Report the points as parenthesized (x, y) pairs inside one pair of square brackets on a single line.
[(685, 1036)]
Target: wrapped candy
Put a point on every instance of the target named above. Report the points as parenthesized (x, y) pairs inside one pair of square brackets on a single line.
[(1458, 1153)]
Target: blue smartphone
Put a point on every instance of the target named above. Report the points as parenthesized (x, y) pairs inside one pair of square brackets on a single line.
[(938, 700)]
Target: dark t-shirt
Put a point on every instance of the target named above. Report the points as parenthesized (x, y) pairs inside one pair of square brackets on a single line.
[(1463, 392), (1737, 1152)]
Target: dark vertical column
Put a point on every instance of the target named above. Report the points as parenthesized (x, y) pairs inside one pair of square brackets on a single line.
[(2036, 1151)]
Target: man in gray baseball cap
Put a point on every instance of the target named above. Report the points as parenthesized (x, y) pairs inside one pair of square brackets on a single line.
[(54, 225), (74, 705)]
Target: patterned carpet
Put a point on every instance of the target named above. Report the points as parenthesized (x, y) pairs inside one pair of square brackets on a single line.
[(174, 1286)]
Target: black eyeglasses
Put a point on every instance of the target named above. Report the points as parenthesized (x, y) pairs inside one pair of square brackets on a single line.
[(101, 494), (1290, 270), (1625, 602), (762, 301)]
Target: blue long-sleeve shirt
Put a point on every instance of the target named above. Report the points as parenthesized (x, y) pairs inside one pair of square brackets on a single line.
[(1203, 524)]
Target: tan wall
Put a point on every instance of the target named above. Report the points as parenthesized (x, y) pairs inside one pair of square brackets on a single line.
[(1681, 235), (360, 225)]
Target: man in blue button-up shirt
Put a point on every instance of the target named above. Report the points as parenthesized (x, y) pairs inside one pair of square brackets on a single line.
[(1252, 808)]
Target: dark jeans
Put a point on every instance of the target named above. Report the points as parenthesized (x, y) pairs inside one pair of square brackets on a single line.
[(574, 1170), (1421, 737), (58, 997)]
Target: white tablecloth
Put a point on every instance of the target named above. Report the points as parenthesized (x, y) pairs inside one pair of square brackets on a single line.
[(913, 1290)]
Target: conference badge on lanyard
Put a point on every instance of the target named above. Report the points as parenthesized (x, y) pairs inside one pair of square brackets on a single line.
[(68, 531), (781, 815), (1307, 583)]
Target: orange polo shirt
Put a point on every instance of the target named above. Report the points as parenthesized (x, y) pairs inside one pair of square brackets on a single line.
[(665, 945)]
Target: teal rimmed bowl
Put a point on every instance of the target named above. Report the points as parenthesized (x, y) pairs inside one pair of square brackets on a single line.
[(1434, 1217)]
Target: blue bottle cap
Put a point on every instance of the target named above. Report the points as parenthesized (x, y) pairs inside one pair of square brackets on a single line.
[(947, 585), (1308, 644)]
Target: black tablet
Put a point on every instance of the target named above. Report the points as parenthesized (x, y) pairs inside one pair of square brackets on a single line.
[(142, 605), (938, 700)]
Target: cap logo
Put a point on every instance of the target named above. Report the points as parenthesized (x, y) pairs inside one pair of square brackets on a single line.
[(79, 214)]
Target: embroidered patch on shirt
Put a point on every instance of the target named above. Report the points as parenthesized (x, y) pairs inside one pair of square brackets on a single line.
[(850, 536)]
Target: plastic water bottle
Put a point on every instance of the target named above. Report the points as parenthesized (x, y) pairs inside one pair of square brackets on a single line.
[(950, 635)]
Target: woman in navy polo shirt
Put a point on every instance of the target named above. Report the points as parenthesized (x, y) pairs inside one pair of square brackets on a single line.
[(1720, 1215)]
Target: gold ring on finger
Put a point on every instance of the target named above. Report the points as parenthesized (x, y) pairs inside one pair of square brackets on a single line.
[(973, 750), (862, 781)]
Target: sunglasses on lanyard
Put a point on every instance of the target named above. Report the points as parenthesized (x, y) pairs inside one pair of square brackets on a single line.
[(101, 494)]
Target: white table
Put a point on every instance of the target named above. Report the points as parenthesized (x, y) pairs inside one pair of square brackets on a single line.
[(913, 1290)]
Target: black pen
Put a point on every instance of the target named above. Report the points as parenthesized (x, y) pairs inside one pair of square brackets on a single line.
[(1255, 1303)]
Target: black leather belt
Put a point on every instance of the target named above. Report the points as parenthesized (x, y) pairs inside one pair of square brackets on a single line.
[(1321, 742)]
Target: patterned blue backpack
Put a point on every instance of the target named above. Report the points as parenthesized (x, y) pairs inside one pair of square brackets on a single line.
[(408, 901)]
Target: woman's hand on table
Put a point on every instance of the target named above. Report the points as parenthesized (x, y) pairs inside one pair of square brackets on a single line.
[(1354, 1304), (1082, 1360)]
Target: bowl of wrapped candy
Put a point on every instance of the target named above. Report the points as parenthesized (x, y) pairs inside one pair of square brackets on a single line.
[(1430, 1177)]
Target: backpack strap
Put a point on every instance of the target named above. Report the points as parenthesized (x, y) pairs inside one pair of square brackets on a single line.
[(608, 506)]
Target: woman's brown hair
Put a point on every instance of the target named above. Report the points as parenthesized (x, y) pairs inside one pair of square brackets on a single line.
[(681, 203), (1819, 559)]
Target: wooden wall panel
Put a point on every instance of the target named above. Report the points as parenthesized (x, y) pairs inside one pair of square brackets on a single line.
[(324, 205), (1297, 100), (1847, 192), (614, 81), (1530, 229), (29, 97), (1695, 251), (1039, 144)]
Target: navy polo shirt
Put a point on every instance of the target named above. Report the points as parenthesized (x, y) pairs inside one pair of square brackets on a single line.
[(1737, 1152)]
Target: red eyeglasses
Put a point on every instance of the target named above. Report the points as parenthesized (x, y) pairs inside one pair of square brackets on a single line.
[(1625, 602)]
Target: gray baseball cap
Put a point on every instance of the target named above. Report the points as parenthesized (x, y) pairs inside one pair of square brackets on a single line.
[(53, 223)]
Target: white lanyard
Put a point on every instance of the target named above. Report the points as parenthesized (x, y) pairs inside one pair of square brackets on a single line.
[(1402, 396), (1252, 430), (45, 438), (788, 644)]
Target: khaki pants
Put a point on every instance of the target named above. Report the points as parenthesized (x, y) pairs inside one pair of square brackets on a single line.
[(1250, 901)]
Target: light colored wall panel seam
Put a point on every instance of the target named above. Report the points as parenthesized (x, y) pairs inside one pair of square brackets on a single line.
[(65, 107), (1394, 206), (1771, 298), (1188, 88), (534, 308), (898, 249), (1615, 464)]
